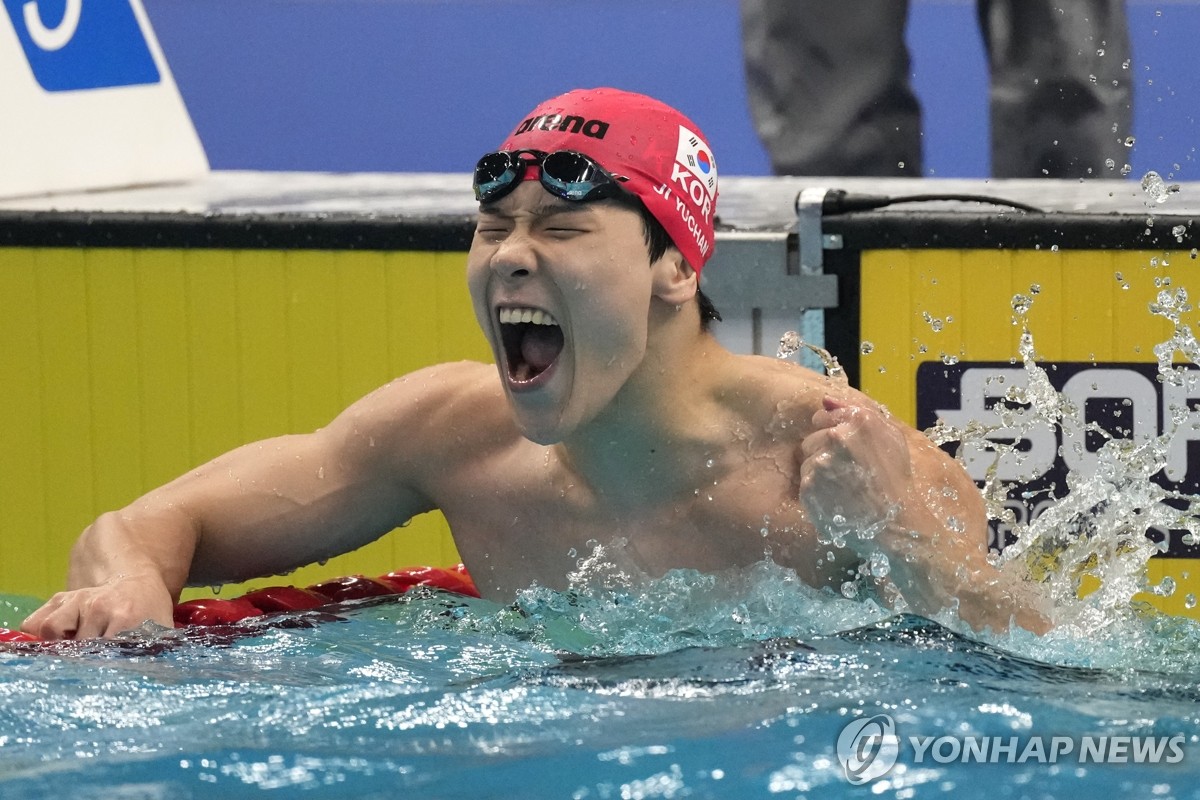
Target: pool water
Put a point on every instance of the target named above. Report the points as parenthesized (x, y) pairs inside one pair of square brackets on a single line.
[(693, 685)]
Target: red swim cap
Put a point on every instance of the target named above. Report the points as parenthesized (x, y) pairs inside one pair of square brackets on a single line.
[(668, 164)]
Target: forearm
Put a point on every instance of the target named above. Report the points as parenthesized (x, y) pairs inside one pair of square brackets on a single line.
[(153, 544), (979, 594), (936, 546), (264, 508)]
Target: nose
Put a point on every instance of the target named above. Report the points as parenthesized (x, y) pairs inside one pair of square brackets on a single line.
[(514, 257)]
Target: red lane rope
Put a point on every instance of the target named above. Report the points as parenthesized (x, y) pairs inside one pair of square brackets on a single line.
[(216, 611)]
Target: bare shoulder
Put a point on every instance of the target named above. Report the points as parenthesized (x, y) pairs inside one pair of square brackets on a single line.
[(789, 395), (432, 414), (784, 394), (460, 381)]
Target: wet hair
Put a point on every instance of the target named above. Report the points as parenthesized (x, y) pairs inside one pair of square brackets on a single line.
[(658, 241)]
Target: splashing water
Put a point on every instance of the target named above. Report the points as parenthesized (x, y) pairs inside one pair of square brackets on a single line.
[(791, 343), (1088, 548), (1171, 306)]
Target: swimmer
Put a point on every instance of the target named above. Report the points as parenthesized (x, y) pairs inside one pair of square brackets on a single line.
[(611, 411)]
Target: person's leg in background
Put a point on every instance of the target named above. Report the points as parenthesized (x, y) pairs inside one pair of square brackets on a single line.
[(1061, 97), (829, 86)]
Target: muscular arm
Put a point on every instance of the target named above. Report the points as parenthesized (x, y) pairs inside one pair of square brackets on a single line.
[(261, 509), (863, 470)]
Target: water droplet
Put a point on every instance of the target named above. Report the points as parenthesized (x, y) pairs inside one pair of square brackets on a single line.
[(1126, 169), (866, 348), (1130, 141), (850, 590), (1108, 162), (1154, 186), (1100, 52), (789, 344), (1189, 601)]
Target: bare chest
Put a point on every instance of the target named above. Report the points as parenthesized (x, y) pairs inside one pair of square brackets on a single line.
[(527, 522)]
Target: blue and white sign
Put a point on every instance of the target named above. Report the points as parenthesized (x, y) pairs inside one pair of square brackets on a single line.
[(87, 101), (71, 45)]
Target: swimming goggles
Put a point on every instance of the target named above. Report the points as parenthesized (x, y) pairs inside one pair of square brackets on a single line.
[(564, 173)]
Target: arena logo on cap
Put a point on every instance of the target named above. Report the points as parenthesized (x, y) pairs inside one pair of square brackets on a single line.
[(571, 123)]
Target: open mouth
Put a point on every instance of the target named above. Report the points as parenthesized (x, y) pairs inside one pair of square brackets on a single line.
[(532, 341)]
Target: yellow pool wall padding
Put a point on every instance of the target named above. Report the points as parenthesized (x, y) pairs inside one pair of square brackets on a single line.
[(123, 368)]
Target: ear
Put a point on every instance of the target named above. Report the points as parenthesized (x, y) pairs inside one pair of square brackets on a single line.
[(672, 278)]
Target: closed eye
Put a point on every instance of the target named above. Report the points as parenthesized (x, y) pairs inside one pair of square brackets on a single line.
[(564, 230), (492, 227), (568, 224)]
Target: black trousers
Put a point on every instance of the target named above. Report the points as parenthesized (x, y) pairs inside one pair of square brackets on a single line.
[(829, 88)]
